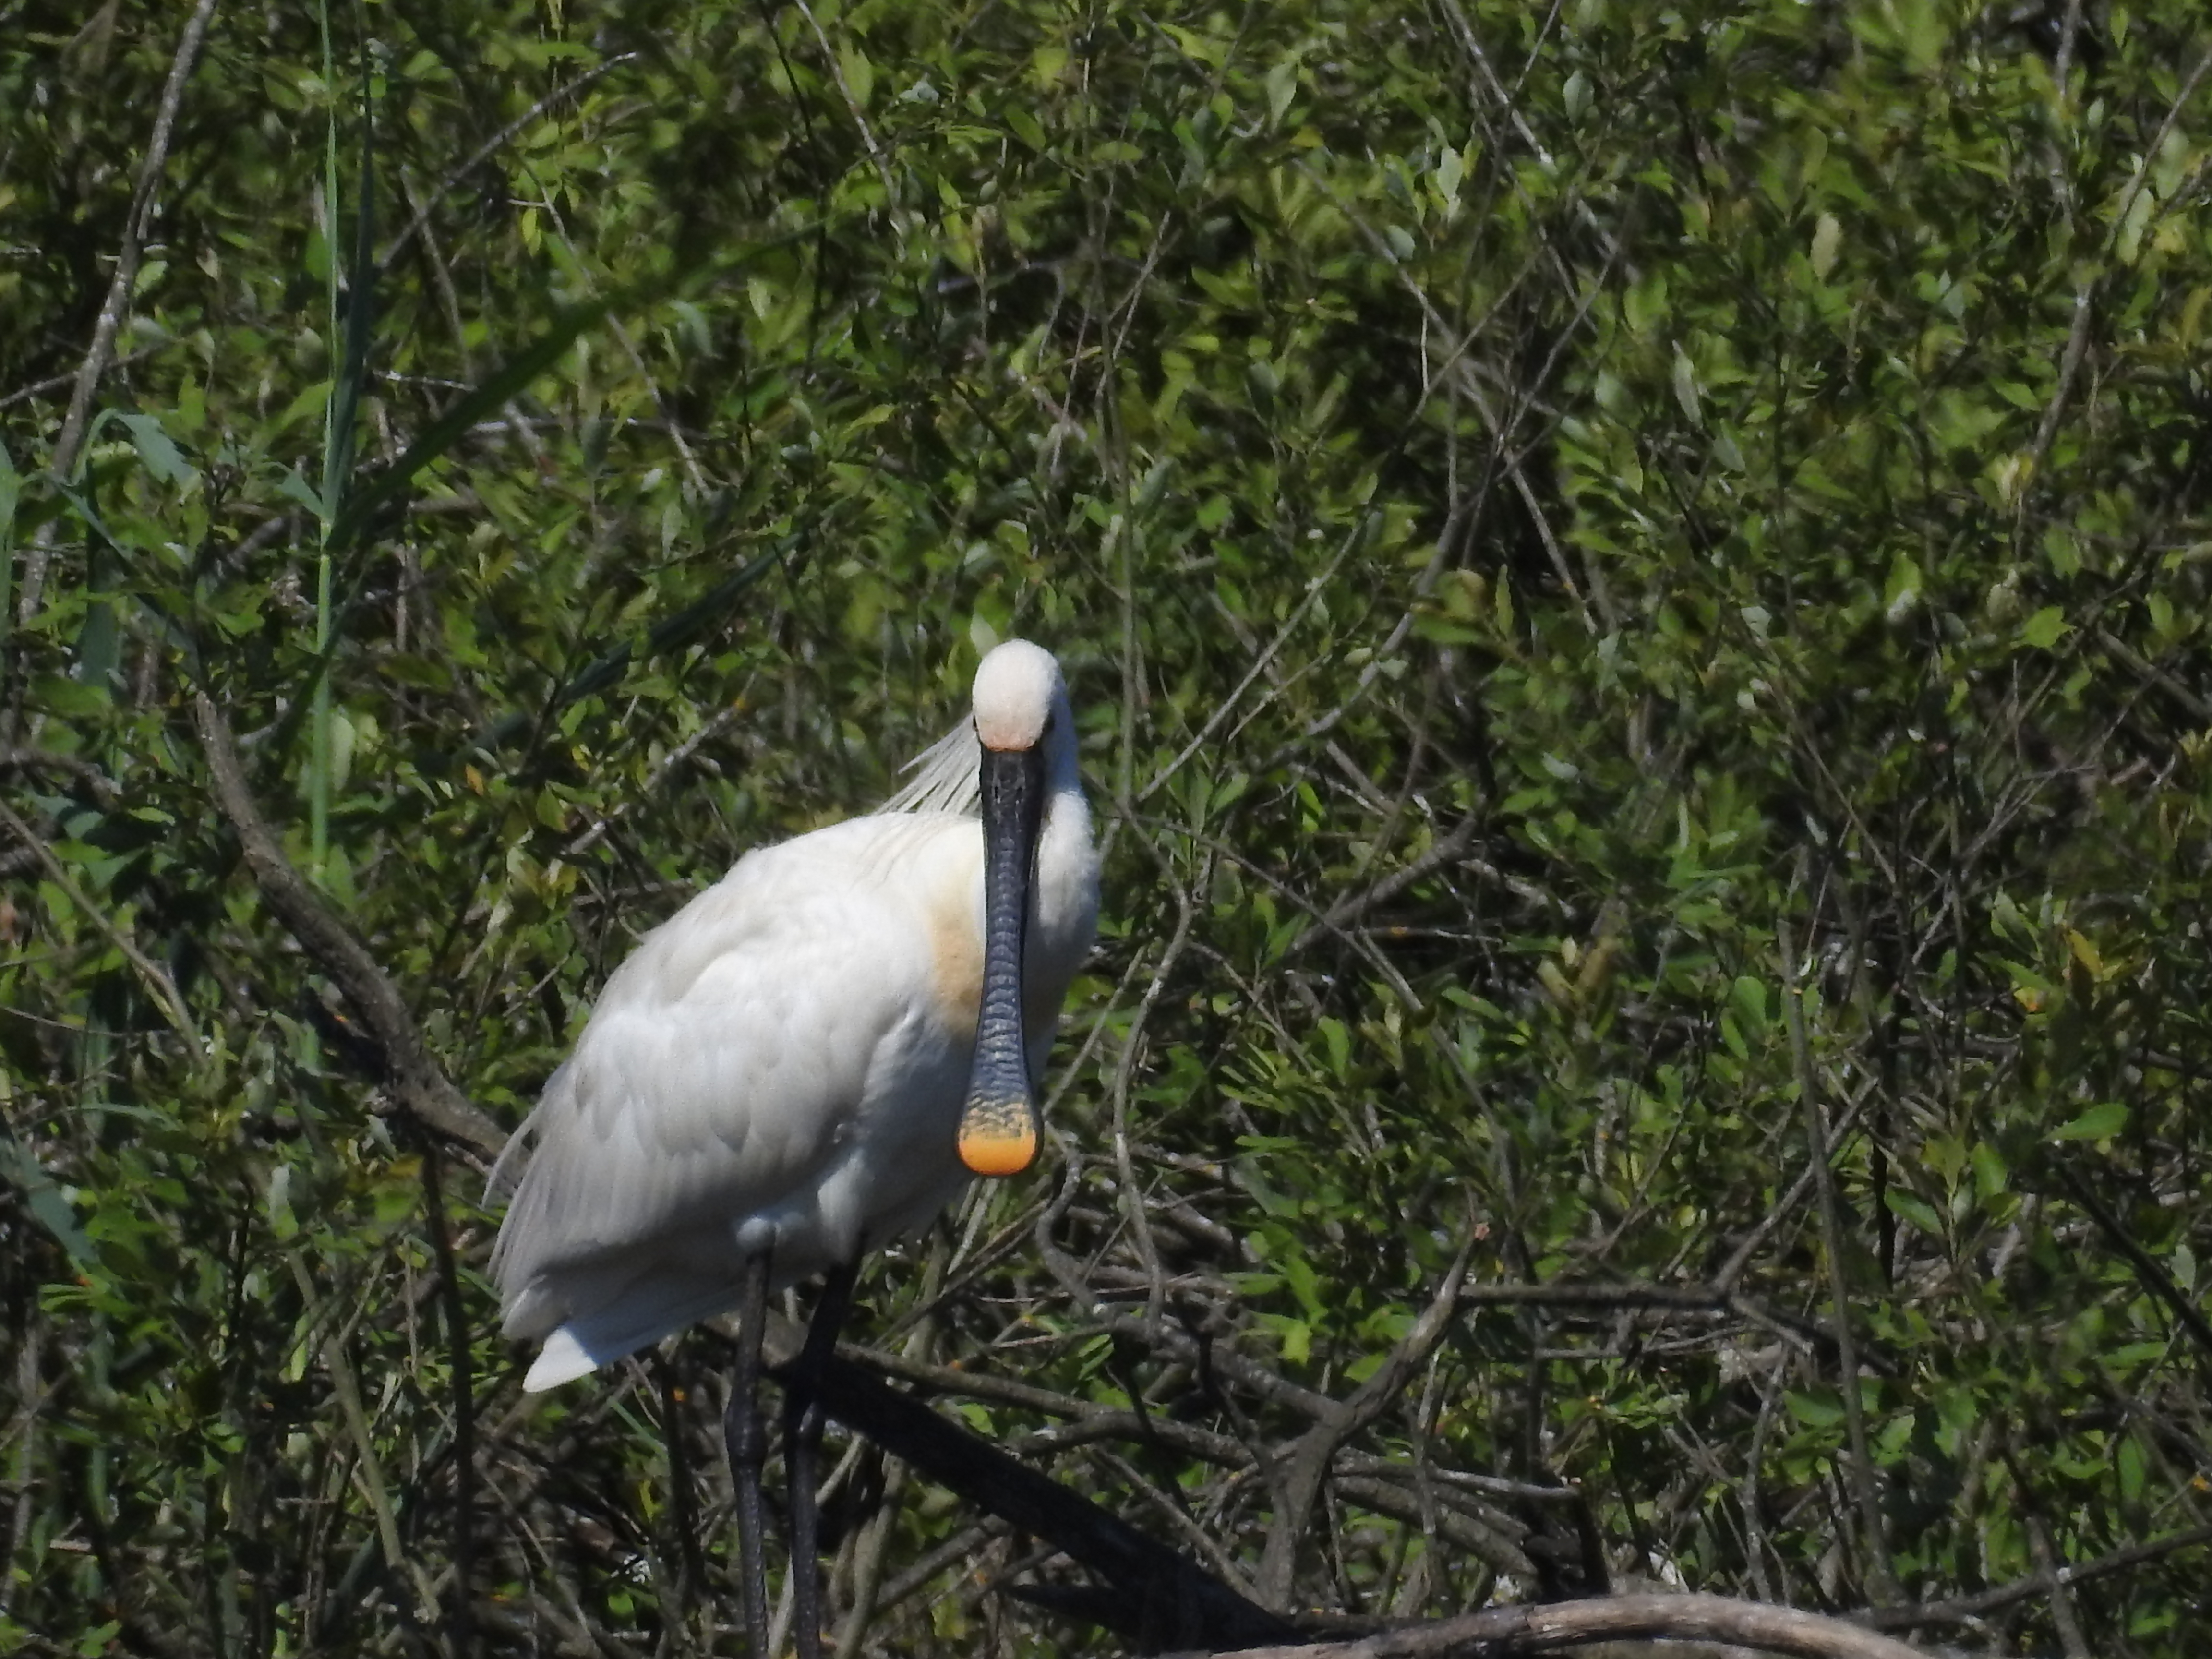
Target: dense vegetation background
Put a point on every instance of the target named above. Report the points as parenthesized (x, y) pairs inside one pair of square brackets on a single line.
[(1635, 579)]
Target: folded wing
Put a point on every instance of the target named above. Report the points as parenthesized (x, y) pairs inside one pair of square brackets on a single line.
[(776, 1058)]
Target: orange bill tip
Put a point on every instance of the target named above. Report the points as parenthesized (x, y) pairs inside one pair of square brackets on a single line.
[(996, 1143)]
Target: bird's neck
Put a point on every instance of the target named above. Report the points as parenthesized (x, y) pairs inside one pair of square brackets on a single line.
[(1067, 881)]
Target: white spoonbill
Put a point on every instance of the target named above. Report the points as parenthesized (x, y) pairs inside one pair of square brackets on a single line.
[(808, 1060)]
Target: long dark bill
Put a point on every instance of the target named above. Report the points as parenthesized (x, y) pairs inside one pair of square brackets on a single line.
[(999, 1125)]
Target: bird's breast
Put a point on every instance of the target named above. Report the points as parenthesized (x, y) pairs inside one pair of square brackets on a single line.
[(955, 955), (1063, 915)]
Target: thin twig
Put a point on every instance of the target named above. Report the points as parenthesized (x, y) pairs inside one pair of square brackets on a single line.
[(2197, 706), (1315, 588), (64, 382), (1346, 911), (100, 352), (852, 105), (134, 227), (2151, 151), (1132, 1193), (379, 1492), (1967, 1609), (1860, 1468), (166, 995), (2154, 1278), (461, 1615)]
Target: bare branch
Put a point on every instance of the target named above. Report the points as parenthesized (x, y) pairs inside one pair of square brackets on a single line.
[(1307, 1463), (490, 146)]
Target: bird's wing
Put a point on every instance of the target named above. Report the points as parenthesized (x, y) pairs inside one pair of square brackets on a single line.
[(730, 1056)]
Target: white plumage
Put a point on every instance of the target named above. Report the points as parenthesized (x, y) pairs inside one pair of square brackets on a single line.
[(781, 1065)]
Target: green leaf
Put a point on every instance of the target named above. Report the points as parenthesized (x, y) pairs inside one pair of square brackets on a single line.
[(1338, 1039), (295, 488), (1827, 237), (859, 73), (1900, 594), (161, 456), (71, 699), (2133, 1468), (2099, 1124), (1748, 995), (2044, 628), (43, 1199), (1820, 1408), (1990, 1174), (1685, 388), (1916, 1210)]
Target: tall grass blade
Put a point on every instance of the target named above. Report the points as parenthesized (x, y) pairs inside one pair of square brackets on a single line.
[(360, 306), (352, 315), (366, 501), (318, 727), (11, 491)]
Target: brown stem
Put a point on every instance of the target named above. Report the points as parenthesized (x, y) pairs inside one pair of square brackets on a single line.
[(422, 1088), (460, 1614), (97, 356)]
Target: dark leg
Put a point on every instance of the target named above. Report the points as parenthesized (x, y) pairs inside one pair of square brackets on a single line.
[(802, 1439), (746, 1437)]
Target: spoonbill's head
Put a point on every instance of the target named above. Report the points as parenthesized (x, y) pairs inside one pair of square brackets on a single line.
[(1017, 687), (1024, 725)]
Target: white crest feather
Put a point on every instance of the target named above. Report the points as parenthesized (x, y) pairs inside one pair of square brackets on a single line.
[(947, 776)]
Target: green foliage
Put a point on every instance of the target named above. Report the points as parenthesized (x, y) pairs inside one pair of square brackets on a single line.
[(1536, 505)]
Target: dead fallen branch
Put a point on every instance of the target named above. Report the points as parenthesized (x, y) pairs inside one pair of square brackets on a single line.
[(1556, 1626)]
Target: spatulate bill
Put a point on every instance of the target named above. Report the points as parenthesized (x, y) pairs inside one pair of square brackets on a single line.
[(999, 1125)]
